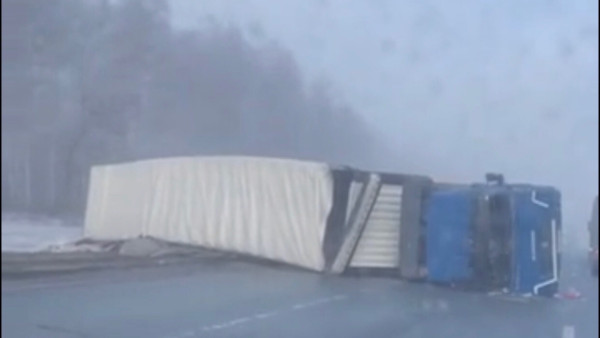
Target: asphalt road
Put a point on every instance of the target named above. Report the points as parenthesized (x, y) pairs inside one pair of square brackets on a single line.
[(236, 299)]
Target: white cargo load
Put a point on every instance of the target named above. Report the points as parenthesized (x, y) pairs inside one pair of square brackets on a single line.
[(271, 208)]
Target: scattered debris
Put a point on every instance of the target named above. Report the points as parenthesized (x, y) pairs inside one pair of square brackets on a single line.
[(83, 246), (141, 247), (571, 293)]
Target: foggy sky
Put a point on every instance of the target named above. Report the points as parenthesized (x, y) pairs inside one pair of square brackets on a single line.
[(458, 87)]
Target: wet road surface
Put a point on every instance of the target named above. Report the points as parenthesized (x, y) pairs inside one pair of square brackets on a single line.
[(239, 299)]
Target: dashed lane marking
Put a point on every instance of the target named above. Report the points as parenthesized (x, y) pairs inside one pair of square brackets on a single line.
[(258, 316)]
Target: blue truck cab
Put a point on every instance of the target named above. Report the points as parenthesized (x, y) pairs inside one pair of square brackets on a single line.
[(494, 236)]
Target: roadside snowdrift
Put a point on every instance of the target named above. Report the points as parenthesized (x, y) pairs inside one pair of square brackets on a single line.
[(25, 233)]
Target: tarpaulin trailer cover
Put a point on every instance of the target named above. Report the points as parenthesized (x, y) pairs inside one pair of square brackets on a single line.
[(272, 208)]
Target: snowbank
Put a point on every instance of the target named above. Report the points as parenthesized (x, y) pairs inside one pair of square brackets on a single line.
[(24, 233)]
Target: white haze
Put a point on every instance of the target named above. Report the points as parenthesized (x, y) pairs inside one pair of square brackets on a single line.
[(458, 88)]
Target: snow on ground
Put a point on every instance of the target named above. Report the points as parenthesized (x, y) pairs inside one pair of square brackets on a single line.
[(24, 233)]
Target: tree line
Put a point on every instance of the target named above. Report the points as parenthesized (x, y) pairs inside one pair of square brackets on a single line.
[(88, 82)]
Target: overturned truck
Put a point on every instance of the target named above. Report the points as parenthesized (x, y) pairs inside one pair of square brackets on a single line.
[(316, 216)]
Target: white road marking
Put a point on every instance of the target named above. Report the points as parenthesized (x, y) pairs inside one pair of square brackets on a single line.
[(239, 321), (265, 315), (568, 331), (316, 302), (299, 306), (260, 316)]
